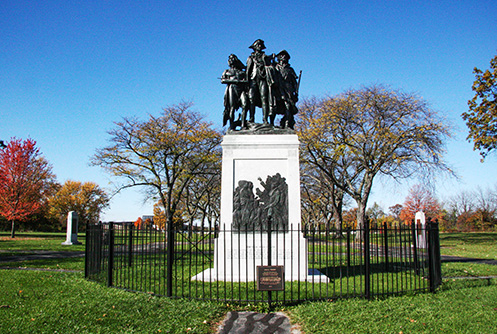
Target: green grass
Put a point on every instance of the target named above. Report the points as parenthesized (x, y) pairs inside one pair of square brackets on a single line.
[(64, 264), (38, 242), (461, 310), (474, 245), (46, 302), (53, 302), (30, 243), (468, 269)]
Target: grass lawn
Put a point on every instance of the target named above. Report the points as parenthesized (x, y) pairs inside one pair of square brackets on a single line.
[(479, 245), (452, 310), (48, 302), (29, 243), (26, 242), (54, 302), (473, 245)]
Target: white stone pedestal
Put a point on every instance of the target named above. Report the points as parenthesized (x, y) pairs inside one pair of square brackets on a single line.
[(72, 229), (250, 157)]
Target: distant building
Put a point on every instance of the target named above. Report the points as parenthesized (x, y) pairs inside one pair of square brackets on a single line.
[(150, 218)]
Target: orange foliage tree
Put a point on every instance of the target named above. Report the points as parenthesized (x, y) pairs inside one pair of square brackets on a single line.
[(139, 223), (350, 219)]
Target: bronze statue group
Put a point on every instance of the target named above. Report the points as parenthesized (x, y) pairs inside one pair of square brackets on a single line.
[(267, 82)]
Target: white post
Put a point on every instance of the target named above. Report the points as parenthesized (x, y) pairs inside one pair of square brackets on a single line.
[(72, 229), (420, 221)]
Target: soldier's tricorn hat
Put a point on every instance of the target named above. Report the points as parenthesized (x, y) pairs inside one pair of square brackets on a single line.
[(260, 42), (283, 52)]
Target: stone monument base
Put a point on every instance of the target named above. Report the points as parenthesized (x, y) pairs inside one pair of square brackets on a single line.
[(71, 243), (238, 254), (260, 174)]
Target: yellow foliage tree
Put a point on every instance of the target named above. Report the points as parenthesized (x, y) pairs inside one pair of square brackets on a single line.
[(481, 118), (87, 199), (355, 136)]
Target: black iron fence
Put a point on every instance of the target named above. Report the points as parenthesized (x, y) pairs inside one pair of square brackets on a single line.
[(221, 264)]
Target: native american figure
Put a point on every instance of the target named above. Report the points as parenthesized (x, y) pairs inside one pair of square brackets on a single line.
[(235, 95)]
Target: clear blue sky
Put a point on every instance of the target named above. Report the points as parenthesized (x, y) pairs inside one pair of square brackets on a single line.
[(70, 69)]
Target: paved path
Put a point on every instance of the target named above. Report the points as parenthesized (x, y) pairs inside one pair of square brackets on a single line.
[(448, 258), (39, 255), (256, 323)]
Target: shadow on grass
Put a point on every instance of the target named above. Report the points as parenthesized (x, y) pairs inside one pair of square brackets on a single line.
[(337, 272)]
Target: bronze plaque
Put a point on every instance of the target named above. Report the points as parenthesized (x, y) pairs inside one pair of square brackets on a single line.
[(270, 278)]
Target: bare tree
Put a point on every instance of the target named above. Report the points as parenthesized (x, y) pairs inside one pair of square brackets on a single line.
[(322, 201), (163, 154)]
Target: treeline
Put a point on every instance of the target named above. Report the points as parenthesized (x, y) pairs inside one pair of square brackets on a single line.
[(466, 211)]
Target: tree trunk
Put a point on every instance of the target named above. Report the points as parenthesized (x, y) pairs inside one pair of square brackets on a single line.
[(13, 231), (337, 205), (338, 227), (361, 217), (362, 203)]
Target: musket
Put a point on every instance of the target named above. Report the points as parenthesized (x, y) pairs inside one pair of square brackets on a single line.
[(298, 82)]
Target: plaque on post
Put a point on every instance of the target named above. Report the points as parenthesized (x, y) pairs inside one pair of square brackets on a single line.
[(270, 278)]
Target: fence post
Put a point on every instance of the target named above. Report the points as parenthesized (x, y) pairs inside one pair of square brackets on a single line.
[(348, 249), (415, 246), (367, 268), (385, 238), (170, 257), (87, 253), (269, 294), (110, 264), (130, 247), (434, 259)]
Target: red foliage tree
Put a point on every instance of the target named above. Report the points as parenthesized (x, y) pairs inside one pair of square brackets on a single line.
[(139, 223), (419, 199), (25, 179)]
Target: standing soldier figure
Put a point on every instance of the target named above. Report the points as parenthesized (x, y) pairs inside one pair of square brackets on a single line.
[(288, 89), (257, 79)]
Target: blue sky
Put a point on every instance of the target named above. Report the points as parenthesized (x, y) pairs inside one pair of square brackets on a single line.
[(72, 68)]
